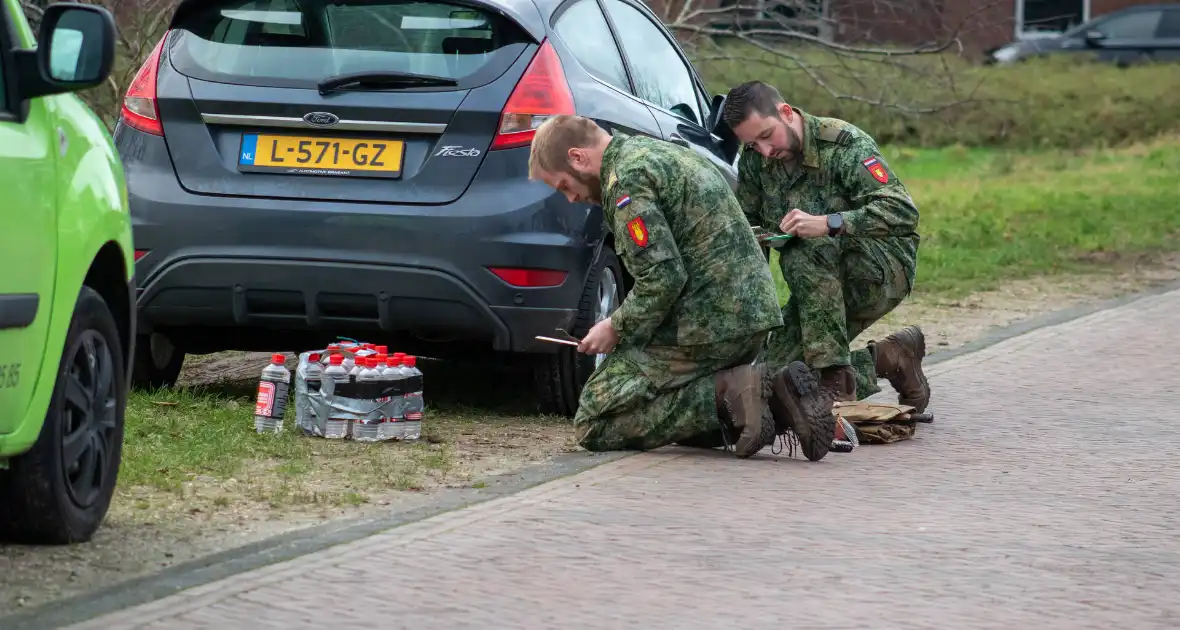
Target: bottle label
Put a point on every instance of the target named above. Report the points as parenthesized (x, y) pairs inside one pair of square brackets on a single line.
[(413, 406), (272, 399)]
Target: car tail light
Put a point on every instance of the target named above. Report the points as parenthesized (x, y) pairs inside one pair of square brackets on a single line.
[(539, 95), (140, 253), (530, 277), (139, 106)]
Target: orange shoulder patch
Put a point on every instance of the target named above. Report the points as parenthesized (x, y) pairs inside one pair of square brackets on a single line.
[(876, 169), (637, 229)]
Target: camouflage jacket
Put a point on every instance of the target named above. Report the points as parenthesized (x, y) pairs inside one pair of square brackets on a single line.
[(680, 233), (842, 170)]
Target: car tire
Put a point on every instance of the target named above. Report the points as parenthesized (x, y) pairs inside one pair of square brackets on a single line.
[(157, 362), (558, 378), (56, 493)]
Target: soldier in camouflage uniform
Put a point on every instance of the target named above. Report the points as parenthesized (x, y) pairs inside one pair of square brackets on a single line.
[(690, 328), (854, 257)]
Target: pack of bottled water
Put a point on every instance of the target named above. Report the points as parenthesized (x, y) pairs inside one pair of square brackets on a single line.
[(358, 391)]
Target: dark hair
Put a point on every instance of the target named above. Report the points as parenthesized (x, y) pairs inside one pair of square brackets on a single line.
[(750, 97)]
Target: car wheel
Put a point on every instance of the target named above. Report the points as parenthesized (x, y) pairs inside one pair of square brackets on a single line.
[(157, 362), (59, 491), (559, 377)]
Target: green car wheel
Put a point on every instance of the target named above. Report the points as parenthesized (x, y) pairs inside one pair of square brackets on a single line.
[(59, 491)]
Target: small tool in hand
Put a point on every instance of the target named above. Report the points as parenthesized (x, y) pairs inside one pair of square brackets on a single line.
[(563, 337)]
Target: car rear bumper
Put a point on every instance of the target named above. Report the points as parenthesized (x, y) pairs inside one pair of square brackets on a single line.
[(301, 295)]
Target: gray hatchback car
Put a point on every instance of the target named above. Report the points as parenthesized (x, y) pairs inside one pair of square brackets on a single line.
[(302, 169)]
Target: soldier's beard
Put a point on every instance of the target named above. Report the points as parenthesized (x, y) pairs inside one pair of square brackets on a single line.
[(593, 184), (794, 149)]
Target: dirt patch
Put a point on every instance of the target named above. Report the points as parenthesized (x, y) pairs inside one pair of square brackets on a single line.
[(950, 323), (153, 527)]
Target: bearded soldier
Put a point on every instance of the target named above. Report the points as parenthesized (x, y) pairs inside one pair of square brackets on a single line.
[(682, 344), (854, 255)]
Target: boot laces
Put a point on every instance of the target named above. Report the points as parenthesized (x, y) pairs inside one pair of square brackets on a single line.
[(727, 426), (786, 440)]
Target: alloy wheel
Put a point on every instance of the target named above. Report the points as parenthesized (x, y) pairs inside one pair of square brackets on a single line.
[(608, 301), (88, 418)]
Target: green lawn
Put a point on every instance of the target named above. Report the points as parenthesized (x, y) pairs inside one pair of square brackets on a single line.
[(989, 216)]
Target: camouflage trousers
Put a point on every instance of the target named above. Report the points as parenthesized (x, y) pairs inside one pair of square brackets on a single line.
[(839, 287), (642, 399)]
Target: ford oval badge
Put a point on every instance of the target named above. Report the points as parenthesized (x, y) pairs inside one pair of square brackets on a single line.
[(321, 119)]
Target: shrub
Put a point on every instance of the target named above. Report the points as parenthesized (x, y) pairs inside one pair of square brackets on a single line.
[(1062, 102)]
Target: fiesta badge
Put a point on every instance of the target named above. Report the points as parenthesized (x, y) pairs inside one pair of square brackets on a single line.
[(638, 231), (876, 170)]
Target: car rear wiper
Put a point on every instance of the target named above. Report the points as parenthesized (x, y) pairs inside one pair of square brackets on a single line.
[(381, 80)]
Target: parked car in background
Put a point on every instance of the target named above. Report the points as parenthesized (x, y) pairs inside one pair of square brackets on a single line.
[(303, 170), (1133, 35), (67, 307)]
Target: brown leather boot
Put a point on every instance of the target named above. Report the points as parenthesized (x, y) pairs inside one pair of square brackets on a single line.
[(899, 358), (840, 381), (742, 393), (799, 404)]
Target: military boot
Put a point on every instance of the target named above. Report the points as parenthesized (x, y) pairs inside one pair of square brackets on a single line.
[(899, 358), (742, 394), (799, 404), (840, 381)]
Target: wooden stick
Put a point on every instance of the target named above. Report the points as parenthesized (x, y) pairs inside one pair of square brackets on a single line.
[(563, 341)]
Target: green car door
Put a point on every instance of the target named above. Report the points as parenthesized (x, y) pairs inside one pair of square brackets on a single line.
[(28, 235)]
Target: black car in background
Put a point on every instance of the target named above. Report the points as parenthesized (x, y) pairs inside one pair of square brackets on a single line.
[(303, 169), (1133, 35)]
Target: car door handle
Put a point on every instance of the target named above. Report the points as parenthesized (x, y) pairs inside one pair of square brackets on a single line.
[(678, 139)]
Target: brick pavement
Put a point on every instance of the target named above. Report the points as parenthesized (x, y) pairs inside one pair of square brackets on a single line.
[(1044, 497)]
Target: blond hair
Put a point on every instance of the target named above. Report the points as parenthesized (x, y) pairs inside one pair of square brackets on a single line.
[(555, 137)]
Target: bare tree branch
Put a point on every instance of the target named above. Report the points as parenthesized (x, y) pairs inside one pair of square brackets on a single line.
[(862, 51)]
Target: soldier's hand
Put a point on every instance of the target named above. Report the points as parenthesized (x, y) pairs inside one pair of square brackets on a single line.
[(803, 225), (601, 339)]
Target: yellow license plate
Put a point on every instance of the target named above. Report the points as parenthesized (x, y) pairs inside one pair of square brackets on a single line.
[(305, 155)]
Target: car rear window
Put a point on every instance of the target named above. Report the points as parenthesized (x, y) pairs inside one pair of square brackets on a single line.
[(297, 43)]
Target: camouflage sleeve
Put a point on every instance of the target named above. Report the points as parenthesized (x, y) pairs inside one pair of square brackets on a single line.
[(648, 250), (882, 205), (749, 189)]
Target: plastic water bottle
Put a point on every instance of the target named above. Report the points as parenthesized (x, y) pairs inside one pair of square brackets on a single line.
[(395, 423), (368, 379), (358, 364), (333, 348), (315, 372), (413, 401), (336, 427), (271, 403)]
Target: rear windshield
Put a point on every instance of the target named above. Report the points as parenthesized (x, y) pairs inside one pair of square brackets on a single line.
[(297, 43)]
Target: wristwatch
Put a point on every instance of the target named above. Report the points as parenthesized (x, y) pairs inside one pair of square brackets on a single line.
[(835, 224)]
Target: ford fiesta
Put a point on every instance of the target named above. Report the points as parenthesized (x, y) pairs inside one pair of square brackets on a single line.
[(302, 169)]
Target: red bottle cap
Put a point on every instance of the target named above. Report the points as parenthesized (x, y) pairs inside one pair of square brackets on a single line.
[(411, 361), (395, 361), (313, 357), (336, 359), (382, 349), (277, 359)]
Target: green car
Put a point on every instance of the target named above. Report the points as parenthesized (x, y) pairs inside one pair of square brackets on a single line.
[(66, 279)]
